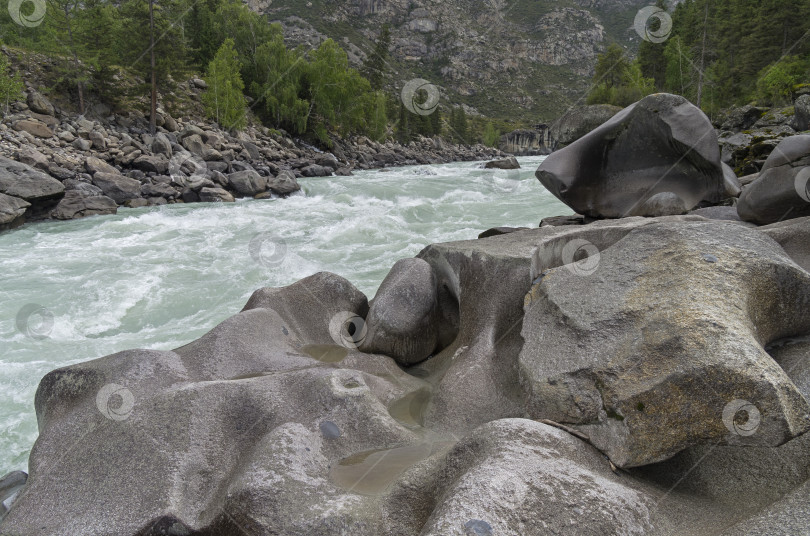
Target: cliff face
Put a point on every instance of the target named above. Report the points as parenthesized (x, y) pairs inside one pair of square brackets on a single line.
[(521, 59)]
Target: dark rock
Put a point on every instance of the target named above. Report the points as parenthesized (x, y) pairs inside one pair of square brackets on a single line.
[(802, 113), (12, 211), (315, 170), (118, 187), (81, 144), (718, 213), (31, 157), (343, 172), (782, 189), (247, 183), (158, 190), (35, 128), (506, 163), (284, 184), (39, 104), (497, 231), (151, 164), (59, 172), (327, 160), (95, 165), (85, 187), (213, 195), (557, 221), (740, 118), (40, 189), (403, 319), (77, 204), (662, 144)]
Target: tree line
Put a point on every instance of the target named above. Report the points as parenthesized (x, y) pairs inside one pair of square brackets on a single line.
[(719, 53), (309, 92)]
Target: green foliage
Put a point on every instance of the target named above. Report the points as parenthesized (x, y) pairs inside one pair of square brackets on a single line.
[(774, 86), (731, 51), (491, 135), (459, 127), (375, 66), (224, 99), (617, 80), (11, 85)]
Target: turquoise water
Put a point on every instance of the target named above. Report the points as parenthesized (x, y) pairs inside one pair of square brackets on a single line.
[(160, 277)]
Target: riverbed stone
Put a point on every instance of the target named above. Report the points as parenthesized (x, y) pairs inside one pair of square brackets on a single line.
[(404, 318), (39, 189), (117, 186), (12, 210), (782, 189), (662, 144), (284, 183), (35, 128), (506, 163), (247, 182), (213, 195), (77, 204)]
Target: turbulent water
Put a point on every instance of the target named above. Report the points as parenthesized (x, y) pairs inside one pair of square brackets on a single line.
[(160, 277)]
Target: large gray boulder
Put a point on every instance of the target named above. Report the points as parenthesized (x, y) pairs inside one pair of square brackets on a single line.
[(12, 210), (37, 188), (801, 110), (118, 187), (247, 182), (284, 183), (577, 122), (656, 157), (215, 195), (506, 163), (404, 320), (622, 362), (77, 204), (782, 189), (39, 104)]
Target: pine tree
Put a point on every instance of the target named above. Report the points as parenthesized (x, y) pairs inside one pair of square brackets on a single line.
[(375, 66), (224, 100), (491, 135)]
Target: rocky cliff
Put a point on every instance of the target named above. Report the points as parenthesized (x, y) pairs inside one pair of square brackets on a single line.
[(505, 58)]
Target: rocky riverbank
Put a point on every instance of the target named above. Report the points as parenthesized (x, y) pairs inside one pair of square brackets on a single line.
[(57, 165), (642, 374)]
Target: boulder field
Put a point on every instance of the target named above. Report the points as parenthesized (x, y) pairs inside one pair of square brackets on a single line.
[(643, 375)]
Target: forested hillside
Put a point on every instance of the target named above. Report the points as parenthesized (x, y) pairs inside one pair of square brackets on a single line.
[(718, 53)]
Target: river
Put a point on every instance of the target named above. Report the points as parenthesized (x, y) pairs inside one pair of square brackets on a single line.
[(160, 277)]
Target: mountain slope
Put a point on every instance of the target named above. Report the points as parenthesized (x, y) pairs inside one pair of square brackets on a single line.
[(526, 60)]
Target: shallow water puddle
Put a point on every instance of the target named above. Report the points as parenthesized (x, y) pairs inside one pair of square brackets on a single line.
[(373, 471), (325, 353), (410, 409)]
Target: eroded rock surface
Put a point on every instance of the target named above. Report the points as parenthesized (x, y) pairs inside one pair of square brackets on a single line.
[(674, 347)]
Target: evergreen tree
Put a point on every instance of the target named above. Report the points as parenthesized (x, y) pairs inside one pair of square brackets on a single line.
[(224, 99), (375, 66), (491, 136)]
